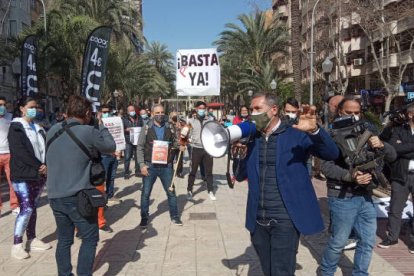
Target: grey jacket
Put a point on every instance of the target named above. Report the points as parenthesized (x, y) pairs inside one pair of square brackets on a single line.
[(67, 165), (195, 134)]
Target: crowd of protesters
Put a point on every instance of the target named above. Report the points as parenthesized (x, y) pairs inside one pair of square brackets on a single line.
[(289, 139)]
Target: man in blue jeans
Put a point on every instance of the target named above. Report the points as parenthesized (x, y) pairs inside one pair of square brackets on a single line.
[(350, 202), (110, 163), (155, 160), (68, 173)]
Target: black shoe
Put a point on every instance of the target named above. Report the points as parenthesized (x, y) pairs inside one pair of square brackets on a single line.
[(177, 221), (386, 243), (144, 223), (106, 229), (411, 248), (126, 176), (180, 175)]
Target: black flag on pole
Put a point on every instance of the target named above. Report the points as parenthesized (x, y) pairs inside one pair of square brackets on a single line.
[(29, 86), (95, 58)]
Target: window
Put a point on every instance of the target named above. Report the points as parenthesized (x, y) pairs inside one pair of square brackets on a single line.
[(12, 28)]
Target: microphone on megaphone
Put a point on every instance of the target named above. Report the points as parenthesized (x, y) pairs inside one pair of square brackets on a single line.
[(216, 140)]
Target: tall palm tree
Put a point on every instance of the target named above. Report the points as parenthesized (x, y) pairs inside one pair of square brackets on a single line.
[(255, 41), (296, 48), (163, 60)]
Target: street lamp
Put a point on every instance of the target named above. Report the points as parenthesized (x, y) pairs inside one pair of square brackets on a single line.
[(273, 84), (116, 94), (327, 66), (44, 14), (312, 53)]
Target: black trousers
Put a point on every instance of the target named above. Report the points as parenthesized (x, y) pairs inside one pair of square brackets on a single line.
[(399, 196), (199, 155)]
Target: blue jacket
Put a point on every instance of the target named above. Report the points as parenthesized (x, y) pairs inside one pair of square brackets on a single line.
[(293, 150)]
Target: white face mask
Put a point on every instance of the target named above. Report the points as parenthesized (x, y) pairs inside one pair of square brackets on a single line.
[(291, 115), (356, 117)]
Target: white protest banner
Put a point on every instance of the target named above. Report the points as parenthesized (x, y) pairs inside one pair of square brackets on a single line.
[(134, 135), (116, 128), (198, 72)]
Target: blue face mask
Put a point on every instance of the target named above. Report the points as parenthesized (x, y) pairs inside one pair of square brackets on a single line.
[(144, 116), (2, 110), (201, 112), (132, 113), (31, 113), (105, 115)]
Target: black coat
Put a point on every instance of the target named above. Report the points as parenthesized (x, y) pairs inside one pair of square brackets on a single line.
[(24, 166), (403, 141)]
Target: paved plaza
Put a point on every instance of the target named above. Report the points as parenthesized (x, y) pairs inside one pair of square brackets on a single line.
[(212, 242)]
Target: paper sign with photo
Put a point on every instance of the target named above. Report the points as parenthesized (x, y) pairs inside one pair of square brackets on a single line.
[(160, 152)]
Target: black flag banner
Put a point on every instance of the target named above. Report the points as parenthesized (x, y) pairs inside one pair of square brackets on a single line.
[(28, 62), (95, 58)]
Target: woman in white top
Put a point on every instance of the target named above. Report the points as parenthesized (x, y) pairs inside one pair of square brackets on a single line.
[(28, 174)]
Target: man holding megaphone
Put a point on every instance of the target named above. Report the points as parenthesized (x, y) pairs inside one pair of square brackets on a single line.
[(281, 201)]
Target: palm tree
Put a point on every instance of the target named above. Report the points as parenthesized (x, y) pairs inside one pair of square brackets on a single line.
[(255, 41), (116, 13), (163, 60), (296, 48), (133, 74)]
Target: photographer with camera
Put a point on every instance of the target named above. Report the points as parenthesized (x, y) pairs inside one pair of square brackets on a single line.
[(350, 188), (402, 179)]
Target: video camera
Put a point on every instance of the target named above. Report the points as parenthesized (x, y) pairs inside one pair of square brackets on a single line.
[(352, 137)]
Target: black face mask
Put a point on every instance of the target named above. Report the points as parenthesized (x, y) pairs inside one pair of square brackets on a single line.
[(160, 119)]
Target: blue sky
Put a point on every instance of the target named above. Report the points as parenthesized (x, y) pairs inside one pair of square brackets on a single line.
[(189, 24)]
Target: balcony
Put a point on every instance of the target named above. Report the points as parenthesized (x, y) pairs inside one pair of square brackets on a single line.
[(407, 57)]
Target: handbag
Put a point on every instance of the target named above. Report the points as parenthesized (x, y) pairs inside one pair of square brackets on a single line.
[(88, 202)]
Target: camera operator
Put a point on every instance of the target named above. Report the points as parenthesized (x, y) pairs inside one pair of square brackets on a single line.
[(402, 179), (350, 202)]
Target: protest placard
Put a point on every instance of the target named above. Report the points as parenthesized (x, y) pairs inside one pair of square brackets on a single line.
[(198, 72), (116, 128)]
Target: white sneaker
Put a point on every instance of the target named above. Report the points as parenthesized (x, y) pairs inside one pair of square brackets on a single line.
[(212, 196), (351, 244), (38, 245), (189, 195), (18, 252), (16, 211)]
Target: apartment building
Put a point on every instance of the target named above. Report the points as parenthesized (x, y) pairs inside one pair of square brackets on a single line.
[(15, 16), (338, 33)]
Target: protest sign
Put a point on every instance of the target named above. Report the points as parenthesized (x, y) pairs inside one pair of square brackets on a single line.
[(198, 72), (134, 134), (159, 152), (116, 128)]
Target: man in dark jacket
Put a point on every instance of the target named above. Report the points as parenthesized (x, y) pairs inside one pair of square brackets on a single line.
[(68, 173), (350, 202), (130, 121), (402, 177), (281, 201), (155, 160)]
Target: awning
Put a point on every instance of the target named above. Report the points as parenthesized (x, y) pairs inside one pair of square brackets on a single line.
[(215, 104)]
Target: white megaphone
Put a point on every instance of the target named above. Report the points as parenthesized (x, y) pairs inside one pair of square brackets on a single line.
[(216, 139)]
